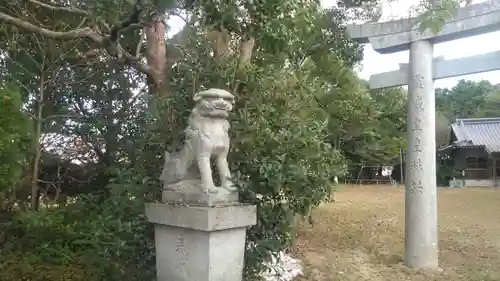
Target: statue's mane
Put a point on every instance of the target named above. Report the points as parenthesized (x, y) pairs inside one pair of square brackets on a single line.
[(196, 117)]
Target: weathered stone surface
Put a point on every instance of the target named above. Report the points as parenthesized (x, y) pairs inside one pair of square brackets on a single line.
[(206, 137), (200, 243), (421, 240), (202, 218), (396, 36), (200, 229), (441, 69), (421, 236), (451, 31), (188, 192)]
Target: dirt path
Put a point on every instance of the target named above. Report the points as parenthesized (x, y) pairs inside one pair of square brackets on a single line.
[(361, 237)]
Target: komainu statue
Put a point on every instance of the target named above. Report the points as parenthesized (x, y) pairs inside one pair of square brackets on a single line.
[(206, 138)]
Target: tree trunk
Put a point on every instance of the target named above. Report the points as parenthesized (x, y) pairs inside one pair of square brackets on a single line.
[(221, 40), (156, 54), (246, 49), (35, 192)]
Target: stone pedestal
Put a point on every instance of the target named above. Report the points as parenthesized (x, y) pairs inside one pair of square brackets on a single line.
[(200, 243), (188, 192)]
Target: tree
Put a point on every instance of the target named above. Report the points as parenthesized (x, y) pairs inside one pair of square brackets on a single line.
[(442, 129), (282, 155), (491, 107), (301, 112), (105, 30), (15, 140), (377, 133), (468, 99)]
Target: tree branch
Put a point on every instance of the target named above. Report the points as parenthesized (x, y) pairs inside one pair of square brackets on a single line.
[(72, 34), (60, 9), (72, 10), (86, 32), (140, 43), (175, 45)]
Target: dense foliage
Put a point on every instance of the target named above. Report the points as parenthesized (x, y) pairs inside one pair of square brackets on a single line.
[(15, 139), (468, 99), (112, 119), (107, 101)]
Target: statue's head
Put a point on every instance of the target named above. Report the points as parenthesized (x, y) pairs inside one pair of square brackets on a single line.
[(215, 103)]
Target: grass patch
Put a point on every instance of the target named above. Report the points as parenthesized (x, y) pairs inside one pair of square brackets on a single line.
[(361, 237)]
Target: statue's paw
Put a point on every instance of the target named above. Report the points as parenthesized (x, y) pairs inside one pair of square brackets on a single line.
[(229, 186), (210, 189)]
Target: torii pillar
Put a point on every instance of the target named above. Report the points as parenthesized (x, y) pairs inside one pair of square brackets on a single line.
[(421, 231)]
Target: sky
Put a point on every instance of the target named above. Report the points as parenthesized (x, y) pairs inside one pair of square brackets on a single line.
[(374, 62)]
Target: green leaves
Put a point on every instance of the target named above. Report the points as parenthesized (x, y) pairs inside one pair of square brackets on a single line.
[(285, 165), (468, 99), (110, 238), (15, 138), (300, 113), (436, 15)]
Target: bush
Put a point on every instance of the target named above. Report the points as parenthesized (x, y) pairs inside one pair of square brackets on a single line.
[(283, 161), (16, 266), (280, 159), (15, 138), (280, 156), (89, 239)]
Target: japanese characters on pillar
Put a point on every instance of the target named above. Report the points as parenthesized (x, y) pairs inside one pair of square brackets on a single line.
[(416, 165), (421, 204)]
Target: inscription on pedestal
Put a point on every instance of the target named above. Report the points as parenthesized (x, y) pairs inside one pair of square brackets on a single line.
[(181, 255), (200, 243)]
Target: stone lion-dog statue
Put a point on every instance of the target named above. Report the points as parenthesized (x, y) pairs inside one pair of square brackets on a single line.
[(206, 137)]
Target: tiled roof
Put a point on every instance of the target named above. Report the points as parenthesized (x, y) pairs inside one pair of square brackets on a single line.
[(478, 132)]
